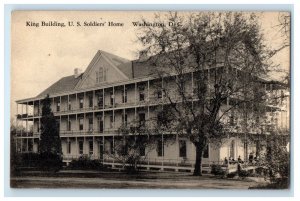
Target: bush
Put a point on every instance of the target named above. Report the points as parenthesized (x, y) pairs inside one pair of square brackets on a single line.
[(243, 173), (86, 164), (217, 170), (232, 174), (28, 160), (50, 162), (39, 161)]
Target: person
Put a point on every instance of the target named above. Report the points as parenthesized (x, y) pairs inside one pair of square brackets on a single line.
[(225, 161), (240, 160), (257, 158), (251, 157)]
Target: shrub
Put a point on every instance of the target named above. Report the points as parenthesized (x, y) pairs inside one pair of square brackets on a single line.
[(50, 162), (28, 160), (217, 170), (232, 174), (243, 173), (86, 164), (40, 161)]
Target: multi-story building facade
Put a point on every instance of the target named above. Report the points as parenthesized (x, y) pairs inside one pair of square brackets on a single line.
[(90, 107)]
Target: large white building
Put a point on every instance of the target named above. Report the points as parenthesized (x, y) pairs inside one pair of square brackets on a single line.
[(91, 106)]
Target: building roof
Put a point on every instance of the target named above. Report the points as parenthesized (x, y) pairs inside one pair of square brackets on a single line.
[(69, 83), (132, 69), (64, 84)]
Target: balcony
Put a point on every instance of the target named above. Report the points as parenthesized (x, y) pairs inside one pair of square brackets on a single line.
[(24, 116), (23, 134), (66, 133)]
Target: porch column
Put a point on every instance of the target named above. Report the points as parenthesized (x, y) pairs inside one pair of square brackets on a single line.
[(163, 149), (21, 139), (76, 148), (76, 102), (192, 75), (103, 148), (124, 89), (135, 92), (68, 103), (148, 91), (53, 106), (84, 101), (33, 114), (17, 120), (113, 108), (21, 120)]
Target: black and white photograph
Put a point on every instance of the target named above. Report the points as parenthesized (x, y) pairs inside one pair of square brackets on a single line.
[(150, 100)]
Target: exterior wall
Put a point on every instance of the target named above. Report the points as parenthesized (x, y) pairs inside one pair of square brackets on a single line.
[(132, 109), (112, 74), (171, 149)]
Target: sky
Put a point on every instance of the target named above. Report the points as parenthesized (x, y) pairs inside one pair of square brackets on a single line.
[(42, 55)]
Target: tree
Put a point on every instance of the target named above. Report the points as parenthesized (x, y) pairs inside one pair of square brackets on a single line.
[(226, 54), (50, 144), (14, 156), (133, 144)]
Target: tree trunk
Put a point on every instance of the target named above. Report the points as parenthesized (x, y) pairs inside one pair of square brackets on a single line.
[(198, 164)]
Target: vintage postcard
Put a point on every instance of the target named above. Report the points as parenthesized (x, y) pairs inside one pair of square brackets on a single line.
[(177, 100)]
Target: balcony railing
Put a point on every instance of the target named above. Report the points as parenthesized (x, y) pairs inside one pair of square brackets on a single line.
[(21, 116), (23, 134), (88, 132)]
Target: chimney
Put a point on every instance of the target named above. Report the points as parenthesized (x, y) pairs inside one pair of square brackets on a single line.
[(77, 72)]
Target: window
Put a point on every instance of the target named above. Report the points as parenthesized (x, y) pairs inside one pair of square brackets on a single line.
[(160, 148), (112, 148), (124, 96), (80, 102), (100, 149), (80, 144), (58, 106), (68, 147), (69, 105), (90, 101), (91, 147), (206, 152), (160, 119), (101, 75), (142, 119), (231, 119), (30, 145), (142, 151), (81, 124), (125, 149), (100, 100), (124, 119), (159, 94), (245, 149), (90, 124), (38, 126), (69, 125), (142, 93), (104, 74), (101, 126), (111, 120), (112, 98), (232, 150), (182, 148)]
